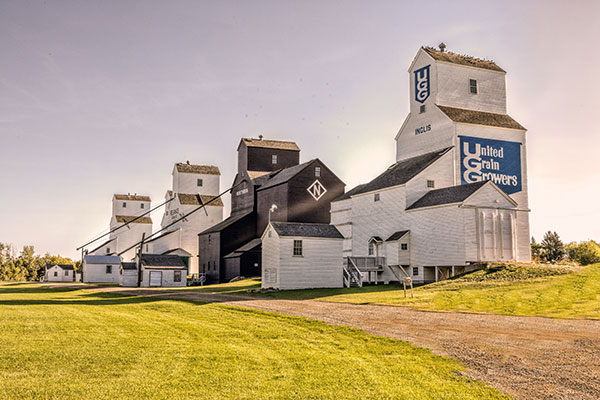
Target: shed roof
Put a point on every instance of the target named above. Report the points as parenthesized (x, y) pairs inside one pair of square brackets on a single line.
[(102, 245), (62, 266), (270, 144), (98, 259), (454, 58), (251, 245), (192, 200), (447, 195), (398, 173), (129, 265), (396, 236), (465, 116), (306, 230), (162, 261), (132, 197), (197, 169), (284, 175), (129, 219)]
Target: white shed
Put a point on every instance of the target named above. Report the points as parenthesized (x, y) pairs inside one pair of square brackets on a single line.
[(59, 273), (101, 269), (301, 256), (163, 270), (129, 274)]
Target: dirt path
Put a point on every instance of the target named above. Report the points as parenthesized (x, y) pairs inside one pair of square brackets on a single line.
[(525, 357)]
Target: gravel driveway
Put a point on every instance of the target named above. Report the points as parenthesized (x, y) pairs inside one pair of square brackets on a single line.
[(525, 357)]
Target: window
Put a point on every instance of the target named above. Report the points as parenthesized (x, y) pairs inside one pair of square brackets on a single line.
[(199, 183), (146, 248), (109, 269), (274, 159), (297, 247), (66, 273), (176, 276), (124, 205), (430, 183), (415, 271), (108, 250), (55, 273), (142, 205), (404, 246), (317, 171), (371, 248), (422, 109), (473, 86), (209, 266), (376, 197), (203, 268)]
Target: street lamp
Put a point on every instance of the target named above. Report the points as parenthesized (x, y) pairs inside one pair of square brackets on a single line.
[(273, 208)]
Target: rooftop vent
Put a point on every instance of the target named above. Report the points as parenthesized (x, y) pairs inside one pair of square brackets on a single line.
[(442, 47), (260, 137)]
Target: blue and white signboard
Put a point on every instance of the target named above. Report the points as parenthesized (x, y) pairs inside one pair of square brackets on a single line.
[(422, 84), (487, 159)]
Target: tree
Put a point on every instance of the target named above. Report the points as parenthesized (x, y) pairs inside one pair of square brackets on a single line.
[(584, 253), (536, 250), (553, 249)]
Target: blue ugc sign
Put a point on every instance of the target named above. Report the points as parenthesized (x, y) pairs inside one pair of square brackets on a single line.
[(422, 84), (487, 159)]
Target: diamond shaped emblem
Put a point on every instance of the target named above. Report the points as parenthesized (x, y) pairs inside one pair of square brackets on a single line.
[(317, 190)]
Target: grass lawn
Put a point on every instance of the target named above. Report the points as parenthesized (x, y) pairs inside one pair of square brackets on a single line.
[(512, 290), (60, 343)]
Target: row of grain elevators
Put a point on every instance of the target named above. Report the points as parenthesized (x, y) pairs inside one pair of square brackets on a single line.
[(455, 198)]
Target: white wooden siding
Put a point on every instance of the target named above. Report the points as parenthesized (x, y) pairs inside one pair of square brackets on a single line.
[(96, 273)]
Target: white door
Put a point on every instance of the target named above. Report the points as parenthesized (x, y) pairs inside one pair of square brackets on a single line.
[(155, 278)]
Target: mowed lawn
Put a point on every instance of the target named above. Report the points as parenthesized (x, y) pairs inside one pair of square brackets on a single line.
[(512, 290), (77, 344)]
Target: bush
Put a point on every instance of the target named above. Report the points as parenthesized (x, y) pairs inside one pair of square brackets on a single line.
[(584, 253)]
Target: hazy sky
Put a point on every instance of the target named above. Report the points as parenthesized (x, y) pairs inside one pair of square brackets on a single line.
[(103, 97)]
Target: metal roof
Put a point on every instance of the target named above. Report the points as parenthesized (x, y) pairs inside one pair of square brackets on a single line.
[(98, 259)]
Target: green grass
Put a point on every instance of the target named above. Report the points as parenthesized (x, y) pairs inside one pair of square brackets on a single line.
[(60, 343), (509, 290)]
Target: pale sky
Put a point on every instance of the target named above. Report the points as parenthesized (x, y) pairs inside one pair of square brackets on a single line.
[(103, 97)]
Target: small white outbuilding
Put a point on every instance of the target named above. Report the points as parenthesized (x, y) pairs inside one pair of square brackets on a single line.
[(129, 274), (59, 273), (163, 270), (101, 269), (301, 256)]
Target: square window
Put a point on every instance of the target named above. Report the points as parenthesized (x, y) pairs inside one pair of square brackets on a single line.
[(109, 269), (415, 271), (404, 246), (317, 171), (473, 86), (199, 182), (176, 276), (430, 183), (124, 205), (376, 197), (274, 159), (422, 109), (297, 247)]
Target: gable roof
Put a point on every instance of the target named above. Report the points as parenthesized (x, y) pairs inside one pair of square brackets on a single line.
[(225, 223), (197, 169), (270, 144), (396, 236), (480, 117), (454, 58), (398, 173), (132, 197), (162, 261), (94, 259), (62, 266), (447, 195), (306, 230), (128, 219), (192, 200), (256, 174), (170, 251)]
